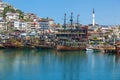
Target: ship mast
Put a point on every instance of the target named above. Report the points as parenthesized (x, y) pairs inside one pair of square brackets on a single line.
[(78, 20), (64, 20), (71, 19)]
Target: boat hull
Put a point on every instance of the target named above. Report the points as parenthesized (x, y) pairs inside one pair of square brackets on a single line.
[(88, 49), (69, 48), (44, 47)]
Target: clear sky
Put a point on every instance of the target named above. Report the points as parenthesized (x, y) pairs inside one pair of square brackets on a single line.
[(107, 12)]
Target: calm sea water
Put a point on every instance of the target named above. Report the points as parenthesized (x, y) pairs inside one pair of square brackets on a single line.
[(30, 64)]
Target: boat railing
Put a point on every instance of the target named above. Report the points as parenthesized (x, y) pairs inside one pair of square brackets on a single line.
[(75, 44), (101, 46)]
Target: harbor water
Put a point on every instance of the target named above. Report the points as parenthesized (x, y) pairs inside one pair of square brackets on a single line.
[(33, 64)]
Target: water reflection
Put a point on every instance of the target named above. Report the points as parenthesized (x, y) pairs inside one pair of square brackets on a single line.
[(72, 64), (31, 64)]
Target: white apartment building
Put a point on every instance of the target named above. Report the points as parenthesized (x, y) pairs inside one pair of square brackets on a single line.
[(12, 16), (46, 23), (2, 25), (20, 25), (116, 31), (3, 5), (1, 17)]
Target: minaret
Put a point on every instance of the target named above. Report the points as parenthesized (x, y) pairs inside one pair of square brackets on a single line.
[(93, 18)]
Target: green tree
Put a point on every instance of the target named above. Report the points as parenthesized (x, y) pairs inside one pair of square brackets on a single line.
[(119, 27), (95, 38), (99, 30), (6, 9), (11, 9), (21, 14)]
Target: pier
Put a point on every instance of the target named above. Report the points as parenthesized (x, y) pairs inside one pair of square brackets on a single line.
[(117, 47), (105, 48)]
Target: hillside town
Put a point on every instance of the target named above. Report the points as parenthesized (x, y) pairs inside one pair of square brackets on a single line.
[(19, 29)]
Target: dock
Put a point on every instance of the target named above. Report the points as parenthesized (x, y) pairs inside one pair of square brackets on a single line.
[(105, 48)]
